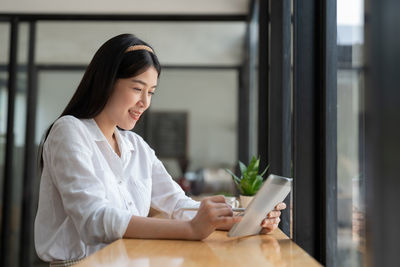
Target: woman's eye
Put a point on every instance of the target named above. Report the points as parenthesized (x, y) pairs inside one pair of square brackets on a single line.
[(140, 90)]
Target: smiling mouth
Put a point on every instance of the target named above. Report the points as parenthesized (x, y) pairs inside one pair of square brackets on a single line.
[(134, 114)]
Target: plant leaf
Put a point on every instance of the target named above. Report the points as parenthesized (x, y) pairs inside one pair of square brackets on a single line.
[(237, 182), (243, 167), (246, 176), (250, 181), (262, 174), (251, 174), (249, 191), (256, 165), (246, 187), (231, 173), (257, 183), (234, 177), (252, 163)]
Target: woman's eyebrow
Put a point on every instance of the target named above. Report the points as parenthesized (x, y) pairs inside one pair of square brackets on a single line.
[(142, 82)]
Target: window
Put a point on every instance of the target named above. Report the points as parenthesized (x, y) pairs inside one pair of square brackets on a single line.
[(350, 132)]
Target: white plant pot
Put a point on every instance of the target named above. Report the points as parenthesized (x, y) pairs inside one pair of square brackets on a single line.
[(245, 200)]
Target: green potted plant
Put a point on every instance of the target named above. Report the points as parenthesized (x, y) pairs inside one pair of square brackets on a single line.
[(249, 181)]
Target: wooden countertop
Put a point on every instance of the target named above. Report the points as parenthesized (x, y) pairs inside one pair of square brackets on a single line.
[(274, 249)]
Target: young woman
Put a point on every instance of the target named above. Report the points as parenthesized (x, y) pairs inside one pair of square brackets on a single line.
[(98, 182)]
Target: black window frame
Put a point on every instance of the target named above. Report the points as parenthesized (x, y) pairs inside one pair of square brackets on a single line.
[(382, 131)]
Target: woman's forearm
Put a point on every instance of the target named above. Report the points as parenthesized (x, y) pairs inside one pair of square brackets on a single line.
[(213, 214), (156, 228)]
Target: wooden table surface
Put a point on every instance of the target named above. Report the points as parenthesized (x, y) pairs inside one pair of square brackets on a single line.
[(274, 249)]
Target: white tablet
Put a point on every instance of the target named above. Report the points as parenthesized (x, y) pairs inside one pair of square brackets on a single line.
[(273, 191)]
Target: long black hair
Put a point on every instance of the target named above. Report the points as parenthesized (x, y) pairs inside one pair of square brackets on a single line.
[(110, 63)]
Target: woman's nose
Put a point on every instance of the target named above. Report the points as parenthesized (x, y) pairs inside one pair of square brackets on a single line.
[(144, 100)]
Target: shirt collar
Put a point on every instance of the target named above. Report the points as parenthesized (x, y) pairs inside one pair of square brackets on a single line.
[(95, 131), (98, 136), (121, 140)]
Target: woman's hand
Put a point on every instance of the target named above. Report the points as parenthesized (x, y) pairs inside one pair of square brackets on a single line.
[(213, 213), (271, 222)]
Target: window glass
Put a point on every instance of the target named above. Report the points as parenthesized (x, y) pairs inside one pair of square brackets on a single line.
[(200, 80), (350, 133), (4, 43)]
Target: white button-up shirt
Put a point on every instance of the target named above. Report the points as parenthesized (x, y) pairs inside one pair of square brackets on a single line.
[(88, 193)]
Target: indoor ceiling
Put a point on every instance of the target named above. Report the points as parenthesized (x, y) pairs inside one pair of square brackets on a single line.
[(185, 43), (231, 7)]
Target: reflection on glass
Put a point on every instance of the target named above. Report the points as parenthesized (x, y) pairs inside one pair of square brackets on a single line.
[(350, 133), (211, 43), (208, 96), (4, 42), (18, 145), (54, 92)]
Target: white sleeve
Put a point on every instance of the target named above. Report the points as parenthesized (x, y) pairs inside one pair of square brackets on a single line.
[(167, 196), (82, 192)]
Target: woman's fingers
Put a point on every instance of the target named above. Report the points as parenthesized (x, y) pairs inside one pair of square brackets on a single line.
[(216, 213), (270, 222), (222, 211), (266, 230), (222, 206), (213, 213), (217, 208), (217, 199), (274, 213), (280, 206), (268, 225)]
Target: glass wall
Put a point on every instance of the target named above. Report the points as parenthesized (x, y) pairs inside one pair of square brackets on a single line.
[(4, 44), (19, 141), (18, 131), (207, 94), (200, 78), (350, 133)]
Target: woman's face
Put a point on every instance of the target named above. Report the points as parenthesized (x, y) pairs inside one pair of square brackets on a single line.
[(130, 98)]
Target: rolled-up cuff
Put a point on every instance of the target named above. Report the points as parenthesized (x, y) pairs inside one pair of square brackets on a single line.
[(117, 224)]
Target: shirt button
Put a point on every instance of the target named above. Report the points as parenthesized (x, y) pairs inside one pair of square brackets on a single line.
[(130, 203), (119, 182)]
